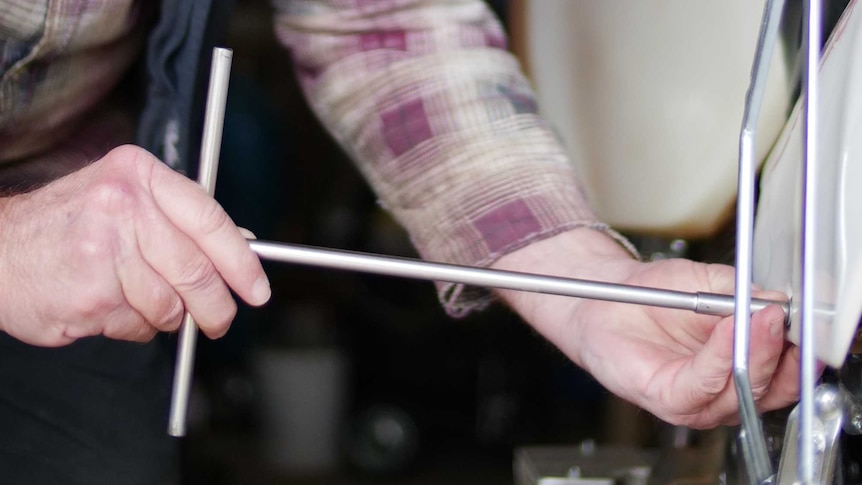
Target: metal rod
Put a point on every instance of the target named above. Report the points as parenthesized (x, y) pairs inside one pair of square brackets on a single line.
[(207, 171), (700, 302), (807, 344), (754, 445)]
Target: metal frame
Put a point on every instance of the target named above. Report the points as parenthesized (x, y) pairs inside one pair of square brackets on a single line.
[(810, 448), (813, 16), (753, 440)]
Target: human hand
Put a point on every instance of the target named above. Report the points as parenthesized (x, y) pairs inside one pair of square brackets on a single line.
[(121, 248), (675, 364)]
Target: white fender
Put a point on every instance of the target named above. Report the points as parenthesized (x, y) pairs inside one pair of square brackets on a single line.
[(648, 97)]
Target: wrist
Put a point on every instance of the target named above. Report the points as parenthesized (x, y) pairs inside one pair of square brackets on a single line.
[(582, 253)]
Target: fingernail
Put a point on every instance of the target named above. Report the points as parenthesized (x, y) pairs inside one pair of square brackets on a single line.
[(246, 233), (261, 291), (776, 327)]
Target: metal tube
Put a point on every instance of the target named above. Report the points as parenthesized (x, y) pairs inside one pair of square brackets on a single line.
[(807, 344), (701, 302), (756, 455), (207, 171)]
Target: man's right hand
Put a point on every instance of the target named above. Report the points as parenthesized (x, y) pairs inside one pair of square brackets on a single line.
[(121, 248)]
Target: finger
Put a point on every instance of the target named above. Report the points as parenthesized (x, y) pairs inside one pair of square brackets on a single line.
[(766, 344), (785, 383), (77, 330), (120, 323), (148, 293), (708, 381), (189, 272), (197, 214), (699, 388), (706, 375), (136, 330), (766, 347)]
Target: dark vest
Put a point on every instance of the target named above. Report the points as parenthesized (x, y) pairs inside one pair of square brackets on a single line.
[(178, 58)]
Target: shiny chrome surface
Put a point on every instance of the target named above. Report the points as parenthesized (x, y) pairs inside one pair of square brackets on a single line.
[(207, 172), (808, 343), (755, 453), (701, 302)]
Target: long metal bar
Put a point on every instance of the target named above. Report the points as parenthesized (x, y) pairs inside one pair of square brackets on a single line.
[(207, 171), (813, 26), (700, 302), (754, 445), (829, 407)]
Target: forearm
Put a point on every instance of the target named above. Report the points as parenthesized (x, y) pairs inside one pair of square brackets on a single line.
[(439, 118)]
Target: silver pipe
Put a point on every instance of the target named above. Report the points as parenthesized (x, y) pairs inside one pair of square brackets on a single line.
[(207, 172), (808, 379), (700, 302), (755, 452)]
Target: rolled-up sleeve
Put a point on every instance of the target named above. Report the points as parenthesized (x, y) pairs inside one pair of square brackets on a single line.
[(439, 118)]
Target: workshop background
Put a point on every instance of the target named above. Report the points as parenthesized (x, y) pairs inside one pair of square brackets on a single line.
[(347, 378)]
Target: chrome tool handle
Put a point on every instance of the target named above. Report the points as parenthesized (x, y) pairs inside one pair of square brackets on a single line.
[(701, 302), (207, 172)]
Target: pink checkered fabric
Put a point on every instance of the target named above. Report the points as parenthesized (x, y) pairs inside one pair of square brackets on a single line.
[(440, 119)]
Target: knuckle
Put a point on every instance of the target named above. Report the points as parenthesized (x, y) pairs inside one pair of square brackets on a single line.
[(222, 322), (55, 336), (215, 324), (760, 391), (213, 218), (126, 153), (146, 334), (164, 307), (93, 304), (111, 195), (686, 421), (109, 203), (704, 419), (170, 319), (133, 160), (709, 386), (134, 330), (91, 249), (197, 275)]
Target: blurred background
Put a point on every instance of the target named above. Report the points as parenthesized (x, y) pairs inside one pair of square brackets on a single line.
[(349, 378)]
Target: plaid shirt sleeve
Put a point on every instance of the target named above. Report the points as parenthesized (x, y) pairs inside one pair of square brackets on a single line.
[(443, 124)]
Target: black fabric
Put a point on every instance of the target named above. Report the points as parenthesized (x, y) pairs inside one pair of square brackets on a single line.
[(179, 54), (94, 412)]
